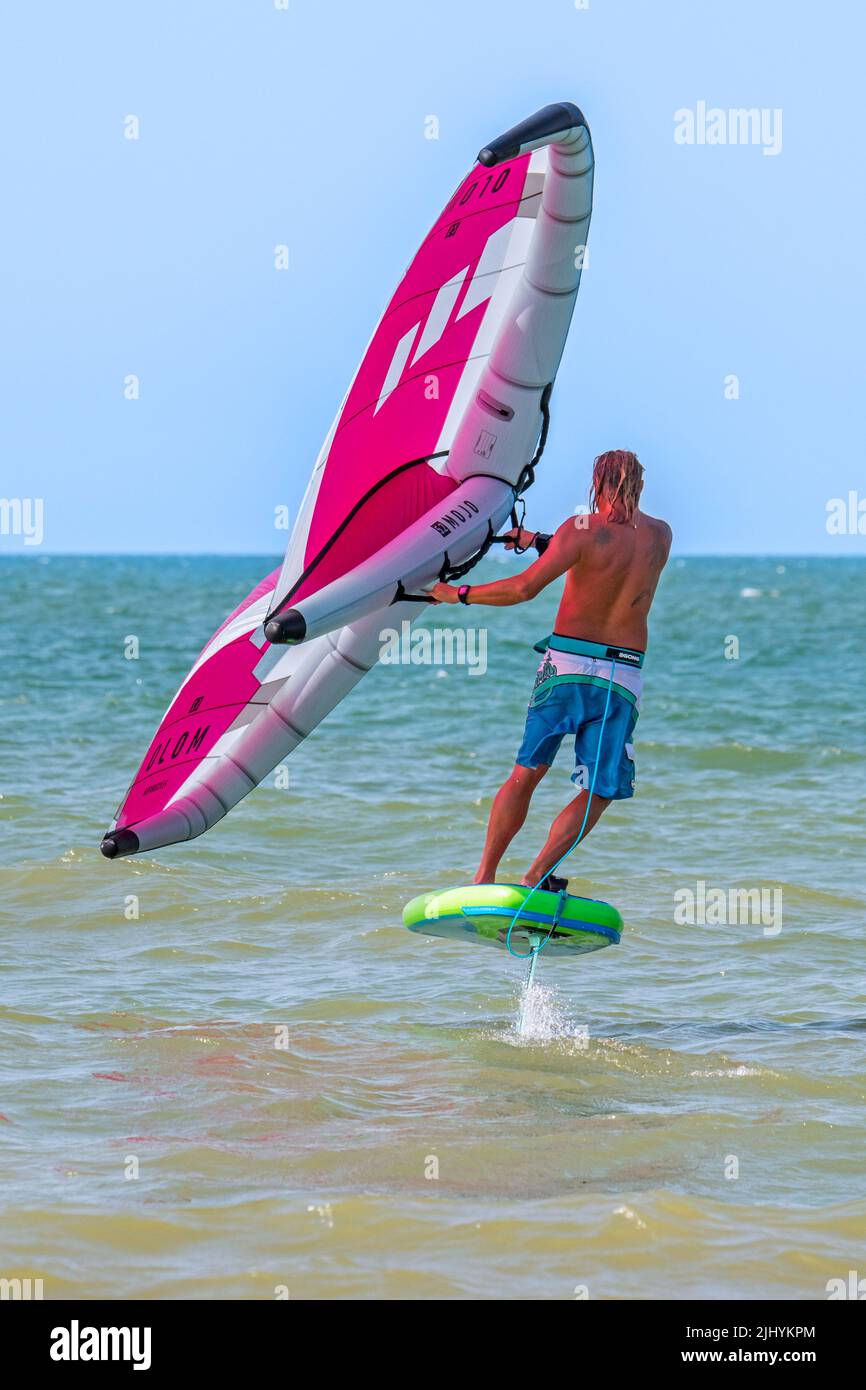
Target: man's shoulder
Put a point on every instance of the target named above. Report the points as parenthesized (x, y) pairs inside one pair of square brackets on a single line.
[(658, 525)]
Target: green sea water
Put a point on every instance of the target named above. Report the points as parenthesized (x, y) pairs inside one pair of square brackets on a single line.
[(683, 1116)]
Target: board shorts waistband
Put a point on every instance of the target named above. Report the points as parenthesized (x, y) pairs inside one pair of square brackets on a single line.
[(601, 651)]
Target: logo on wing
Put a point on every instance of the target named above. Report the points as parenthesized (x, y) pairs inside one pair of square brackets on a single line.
[(444, 313)]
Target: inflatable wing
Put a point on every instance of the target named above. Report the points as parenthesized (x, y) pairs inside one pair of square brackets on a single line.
[(430, 448), (243, 708), (432, 442)]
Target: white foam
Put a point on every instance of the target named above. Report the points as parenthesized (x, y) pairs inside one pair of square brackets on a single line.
[(542, 1017)]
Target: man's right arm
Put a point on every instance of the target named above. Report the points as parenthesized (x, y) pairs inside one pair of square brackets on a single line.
[(562, 552), (559, 556)]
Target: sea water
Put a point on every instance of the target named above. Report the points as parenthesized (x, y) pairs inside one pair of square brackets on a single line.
[(227, 1069)]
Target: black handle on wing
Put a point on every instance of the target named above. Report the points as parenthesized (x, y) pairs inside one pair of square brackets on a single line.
[(540, 129)]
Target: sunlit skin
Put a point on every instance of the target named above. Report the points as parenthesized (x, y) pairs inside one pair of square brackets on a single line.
[(611, 567)]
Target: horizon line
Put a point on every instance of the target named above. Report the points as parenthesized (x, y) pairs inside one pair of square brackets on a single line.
[(37, 552)]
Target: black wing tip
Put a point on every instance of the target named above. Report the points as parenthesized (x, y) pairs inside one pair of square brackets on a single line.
[(287, 628), (120, 842), (548, 121)]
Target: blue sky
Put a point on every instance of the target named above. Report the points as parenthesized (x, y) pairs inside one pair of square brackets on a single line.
[(305, 126)]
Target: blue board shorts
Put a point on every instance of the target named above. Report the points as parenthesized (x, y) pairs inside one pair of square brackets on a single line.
[(569, 698)]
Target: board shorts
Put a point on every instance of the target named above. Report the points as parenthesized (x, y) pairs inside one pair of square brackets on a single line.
[(569, 697)]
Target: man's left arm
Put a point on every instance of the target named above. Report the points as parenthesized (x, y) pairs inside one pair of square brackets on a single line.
[(562, 552)]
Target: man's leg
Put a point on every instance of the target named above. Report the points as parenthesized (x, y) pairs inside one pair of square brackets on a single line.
[(507, 815), (564, 832)]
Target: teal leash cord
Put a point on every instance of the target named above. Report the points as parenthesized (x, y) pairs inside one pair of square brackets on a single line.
[(536, 950), (527, 985)]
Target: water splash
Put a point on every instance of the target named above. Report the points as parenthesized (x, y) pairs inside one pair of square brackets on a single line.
[(542, 1016)]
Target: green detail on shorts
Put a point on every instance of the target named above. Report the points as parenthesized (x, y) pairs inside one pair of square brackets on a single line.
[(543, 688), (546, 671)]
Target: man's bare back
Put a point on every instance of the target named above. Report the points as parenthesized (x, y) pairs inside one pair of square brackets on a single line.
[(611, 572), (610, 585)]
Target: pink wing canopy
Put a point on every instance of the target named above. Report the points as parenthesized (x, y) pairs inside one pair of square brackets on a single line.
[(372, 480), (219, 689)]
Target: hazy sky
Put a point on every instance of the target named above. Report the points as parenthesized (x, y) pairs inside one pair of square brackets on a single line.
[(306, 125)]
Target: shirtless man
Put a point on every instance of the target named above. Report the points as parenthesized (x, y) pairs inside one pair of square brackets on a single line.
[(611, 559)]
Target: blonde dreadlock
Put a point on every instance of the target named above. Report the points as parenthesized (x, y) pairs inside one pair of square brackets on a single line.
[(617, 476)]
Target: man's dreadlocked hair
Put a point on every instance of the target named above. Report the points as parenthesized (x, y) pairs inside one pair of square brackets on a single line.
[(618, 477)]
